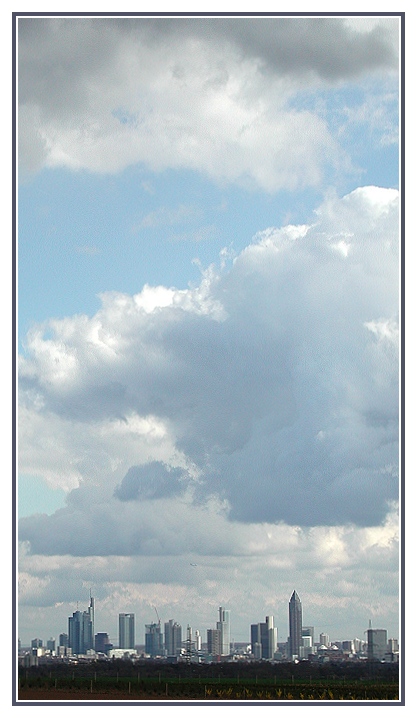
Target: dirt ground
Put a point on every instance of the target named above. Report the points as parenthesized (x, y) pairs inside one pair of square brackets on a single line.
[(54, 695)]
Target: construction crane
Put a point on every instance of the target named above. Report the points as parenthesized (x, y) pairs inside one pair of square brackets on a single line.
[(159, 620)]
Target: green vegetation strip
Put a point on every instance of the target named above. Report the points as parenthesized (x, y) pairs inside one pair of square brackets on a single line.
[(223, 690), (125, 680)]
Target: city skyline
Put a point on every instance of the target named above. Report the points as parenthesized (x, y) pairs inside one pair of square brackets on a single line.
[(209, 319), (171, 633)]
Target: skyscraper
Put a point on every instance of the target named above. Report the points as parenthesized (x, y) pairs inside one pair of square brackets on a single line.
[(269, 637), (91, 614), (377, 643), (324, 639), (81, 630), (214, 641), (173, 638), (50, 645), (127, 630), (296, 623), (223, 625), (255, 639), (154, 640), (102, 643), (63, 640), (308, 631), (264, 638)]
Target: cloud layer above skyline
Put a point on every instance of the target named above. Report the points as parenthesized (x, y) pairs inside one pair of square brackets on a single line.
[(271, 387)]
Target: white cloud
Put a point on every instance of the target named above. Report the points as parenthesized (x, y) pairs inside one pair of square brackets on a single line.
[(232, 382), (214, 97)]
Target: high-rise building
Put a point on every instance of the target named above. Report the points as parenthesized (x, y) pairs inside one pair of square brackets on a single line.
[(223, 625), (91, 608), (324, 639), (63, 639), (214, 641), (358, 645), (154, 640), (308, 631), (392, 645), (377, 643), (102, 643), (264, 638), (255, 639), (296, 623), (50, 645), (269, 637), (127, 630), (173, 638), (81, 630)]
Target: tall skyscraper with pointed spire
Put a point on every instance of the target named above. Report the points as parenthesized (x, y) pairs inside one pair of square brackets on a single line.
[(296, 625)]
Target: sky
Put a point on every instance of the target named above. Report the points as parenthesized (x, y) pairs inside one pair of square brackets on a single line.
[(208, 326)]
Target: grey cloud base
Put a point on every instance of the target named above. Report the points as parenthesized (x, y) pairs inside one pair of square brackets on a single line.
[(270, 389), (222, 97)]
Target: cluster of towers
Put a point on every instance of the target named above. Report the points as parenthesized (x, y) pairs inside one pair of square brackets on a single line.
[(168, 640), (218, 639), (81, 637)]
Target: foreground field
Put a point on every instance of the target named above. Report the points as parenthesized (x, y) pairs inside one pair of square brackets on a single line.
[(126, 681), (192, 690)]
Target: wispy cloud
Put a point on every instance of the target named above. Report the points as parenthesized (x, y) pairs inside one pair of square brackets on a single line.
[(168, 217)]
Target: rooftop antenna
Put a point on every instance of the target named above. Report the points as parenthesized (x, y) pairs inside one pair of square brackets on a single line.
[(369, 626)]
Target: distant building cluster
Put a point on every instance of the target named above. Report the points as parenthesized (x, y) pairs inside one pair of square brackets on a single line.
[(169, 643)]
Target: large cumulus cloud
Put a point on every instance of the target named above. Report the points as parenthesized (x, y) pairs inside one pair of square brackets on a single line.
[(271, 389), (211, 95)]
